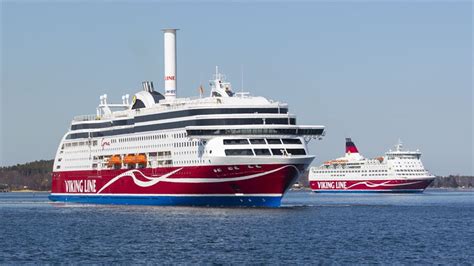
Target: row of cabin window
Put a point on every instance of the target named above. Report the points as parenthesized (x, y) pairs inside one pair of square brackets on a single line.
[(260, 141), (186, 144), (190, 162), (255, 131), (188, 152), (72, 166), (76, 151), (403, 158), (262, 152), (120, 140), (178, 114), (142, 138), (161, 145), (411, 174), (407, 166), (179, 135), (194, 122), (361, 175), (351, 171), (74, 159), (79, 143), (122, 148)]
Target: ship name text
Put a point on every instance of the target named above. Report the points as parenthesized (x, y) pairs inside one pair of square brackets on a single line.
[(332, 185), (80, 186)]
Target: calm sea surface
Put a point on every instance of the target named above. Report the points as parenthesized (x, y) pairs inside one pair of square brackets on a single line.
[(433, 227)]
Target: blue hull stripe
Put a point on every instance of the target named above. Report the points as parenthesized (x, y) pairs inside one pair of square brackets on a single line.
[(216, 201)]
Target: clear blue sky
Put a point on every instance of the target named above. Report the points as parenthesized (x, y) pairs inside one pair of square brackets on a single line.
[(373, 71)]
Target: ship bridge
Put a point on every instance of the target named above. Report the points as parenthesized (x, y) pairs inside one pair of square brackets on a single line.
[(219, 86), (206, 132), (399, 152)]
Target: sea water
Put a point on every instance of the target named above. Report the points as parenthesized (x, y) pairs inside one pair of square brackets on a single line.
[(433, 227)]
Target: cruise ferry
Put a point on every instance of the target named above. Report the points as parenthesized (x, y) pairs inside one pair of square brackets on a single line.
[(398, 171), (225, 149)]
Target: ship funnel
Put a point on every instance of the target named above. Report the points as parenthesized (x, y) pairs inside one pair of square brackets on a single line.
[(350, 146), (352, 153), (170, 63)]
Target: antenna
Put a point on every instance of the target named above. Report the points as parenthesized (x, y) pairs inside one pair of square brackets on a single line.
[(201, 91), (399, 145)]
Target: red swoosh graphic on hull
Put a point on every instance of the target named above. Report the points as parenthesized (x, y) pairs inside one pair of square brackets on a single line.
[(384, 184), (164, 178)]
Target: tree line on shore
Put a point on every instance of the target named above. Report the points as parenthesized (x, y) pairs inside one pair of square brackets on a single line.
[(37, 176), (28, 176)]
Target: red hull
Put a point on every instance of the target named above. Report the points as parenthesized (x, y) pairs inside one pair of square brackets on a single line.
[(396, 185), (271, 179)]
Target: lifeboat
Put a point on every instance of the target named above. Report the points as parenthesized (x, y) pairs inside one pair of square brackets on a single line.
[(140, 159), (129, 159), (114, 160), (335, 162)]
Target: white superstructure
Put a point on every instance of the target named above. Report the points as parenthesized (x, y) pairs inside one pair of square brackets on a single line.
[(170, 131)]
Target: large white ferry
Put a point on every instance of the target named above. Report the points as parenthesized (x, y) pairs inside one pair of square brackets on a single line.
[(397, 171), (226, 149)]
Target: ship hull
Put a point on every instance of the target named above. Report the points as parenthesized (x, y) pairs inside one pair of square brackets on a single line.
[(365, 186), (223, 185)]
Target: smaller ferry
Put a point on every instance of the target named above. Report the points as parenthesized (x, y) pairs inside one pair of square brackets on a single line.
[(397, 171)]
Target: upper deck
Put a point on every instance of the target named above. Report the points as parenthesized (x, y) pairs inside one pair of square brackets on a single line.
[(179, 104), (151, 111)]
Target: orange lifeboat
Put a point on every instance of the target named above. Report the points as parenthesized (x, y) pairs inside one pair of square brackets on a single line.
[(129, 159), (114, 160), (140, 159)]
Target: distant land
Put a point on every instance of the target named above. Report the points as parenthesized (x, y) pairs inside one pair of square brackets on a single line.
[(29, 176), (36, 176)]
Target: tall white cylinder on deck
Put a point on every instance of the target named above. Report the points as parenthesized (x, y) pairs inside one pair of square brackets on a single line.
[(170, 63)]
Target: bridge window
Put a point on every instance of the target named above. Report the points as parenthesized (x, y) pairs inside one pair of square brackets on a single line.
[(257, 141), (236, 141), (239, 152), (291, 141), (274, 141), (296, 151), (262, 152), (277, 152)]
